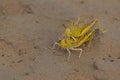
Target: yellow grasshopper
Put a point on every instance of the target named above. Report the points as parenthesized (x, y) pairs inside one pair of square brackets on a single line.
[(69, 43), (79, 31), (76, 35)]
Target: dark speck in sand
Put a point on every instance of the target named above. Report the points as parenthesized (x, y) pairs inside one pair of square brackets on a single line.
[(111, 60), (103, 58), (118, 57), (82, 2)]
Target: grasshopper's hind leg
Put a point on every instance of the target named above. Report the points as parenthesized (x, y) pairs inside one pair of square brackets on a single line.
[(99, 26), (90, 39)]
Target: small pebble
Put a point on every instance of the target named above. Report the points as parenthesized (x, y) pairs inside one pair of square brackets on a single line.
[(36, 47), (82, 2), (27, 73), (3, 55), (76, 70), (103, 58), (3, 64), (19, 61), (111, 60), (92, 58), (118, 58), (109, 55)]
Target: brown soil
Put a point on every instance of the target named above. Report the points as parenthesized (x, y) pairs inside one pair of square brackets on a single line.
[(28, 28)]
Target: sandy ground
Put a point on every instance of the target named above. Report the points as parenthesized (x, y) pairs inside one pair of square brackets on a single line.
[(28, 28)]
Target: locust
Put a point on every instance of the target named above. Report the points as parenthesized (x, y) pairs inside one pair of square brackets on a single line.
[(76, 35), (70, 44), (79, 31)]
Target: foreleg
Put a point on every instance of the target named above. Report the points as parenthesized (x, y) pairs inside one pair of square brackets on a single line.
[(69, 54), (55, 45)]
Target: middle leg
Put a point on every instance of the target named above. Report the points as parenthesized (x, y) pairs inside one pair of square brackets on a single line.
[(78, 49)]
